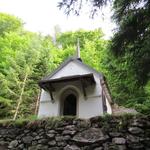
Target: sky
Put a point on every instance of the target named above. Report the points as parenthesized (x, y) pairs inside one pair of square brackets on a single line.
[(42, 15)]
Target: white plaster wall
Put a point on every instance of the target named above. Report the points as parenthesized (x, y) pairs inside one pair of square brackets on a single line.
[(109, 109), (47, 108), (45, 96), (89, 107), (72, 68)]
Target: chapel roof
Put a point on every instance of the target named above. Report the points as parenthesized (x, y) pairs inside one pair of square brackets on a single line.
[(86, 79), (79, 60)]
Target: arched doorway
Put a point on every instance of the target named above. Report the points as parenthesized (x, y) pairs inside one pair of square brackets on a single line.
[(69, 102), (70, 105)]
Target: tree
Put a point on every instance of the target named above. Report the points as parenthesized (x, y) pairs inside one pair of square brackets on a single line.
[(9, 23), (129, 64), (75, 6), (70, 38), (132, 33), (20, 53), (132, 39)]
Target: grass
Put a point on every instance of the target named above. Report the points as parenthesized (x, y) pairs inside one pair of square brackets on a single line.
[(17, 122), (59, 121), (34, 121)]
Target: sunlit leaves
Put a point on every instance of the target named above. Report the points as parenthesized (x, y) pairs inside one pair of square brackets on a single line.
[(9, 23)]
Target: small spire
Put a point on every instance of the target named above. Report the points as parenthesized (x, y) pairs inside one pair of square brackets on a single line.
[(78, 48)]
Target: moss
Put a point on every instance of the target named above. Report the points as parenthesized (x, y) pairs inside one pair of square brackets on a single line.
[(107, 117), (54, 122), (18, 122), (68, 118), (5, 122), (120, 122)]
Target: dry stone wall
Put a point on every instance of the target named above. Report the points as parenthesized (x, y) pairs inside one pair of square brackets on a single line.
[(99, 133)]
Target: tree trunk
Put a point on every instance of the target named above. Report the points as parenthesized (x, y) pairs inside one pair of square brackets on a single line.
[(20, 97), (37, 103)]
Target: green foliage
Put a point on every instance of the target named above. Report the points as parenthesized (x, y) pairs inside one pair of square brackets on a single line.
[(92, 46), (75, 6), (26, 57), (133, 35), (21, 52), (70, 38), (9, 23), (127, 65), (5, 106), (131, 43)]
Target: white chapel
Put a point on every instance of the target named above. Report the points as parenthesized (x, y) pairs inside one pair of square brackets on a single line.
[(74, 89)]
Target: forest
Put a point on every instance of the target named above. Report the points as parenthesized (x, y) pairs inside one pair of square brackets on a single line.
[(25, 57)]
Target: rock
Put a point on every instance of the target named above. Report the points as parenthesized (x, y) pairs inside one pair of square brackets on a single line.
[(51, 132), (3, 148), (42, 141), (60, 129), (67, 137), (87, 148), (120, 110), (3, 131), (27, 139), (37, 137), (32, 148), (83, 124), (52, 143), (113, 146), (40, 130), (115, 134), (119, 140), (21, 146), (50, 135), (99, 134), (41, 133), (8, 139), (90, 136), (59, 138), (72, 147), (34, 142), (34, 134), (135, 130), (110, 146), (69, 132), (133, 139), (122, 147), (26, 131), (62, 143), (146, 142), (137, 146), (3, 143), (98, 148), (137, 123), (40, 147), (54, 148), (13, 144), (19, 137), (70, 127)]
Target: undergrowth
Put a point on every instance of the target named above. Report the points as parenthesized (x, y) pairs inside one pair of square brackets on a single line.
[(53, 122)]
